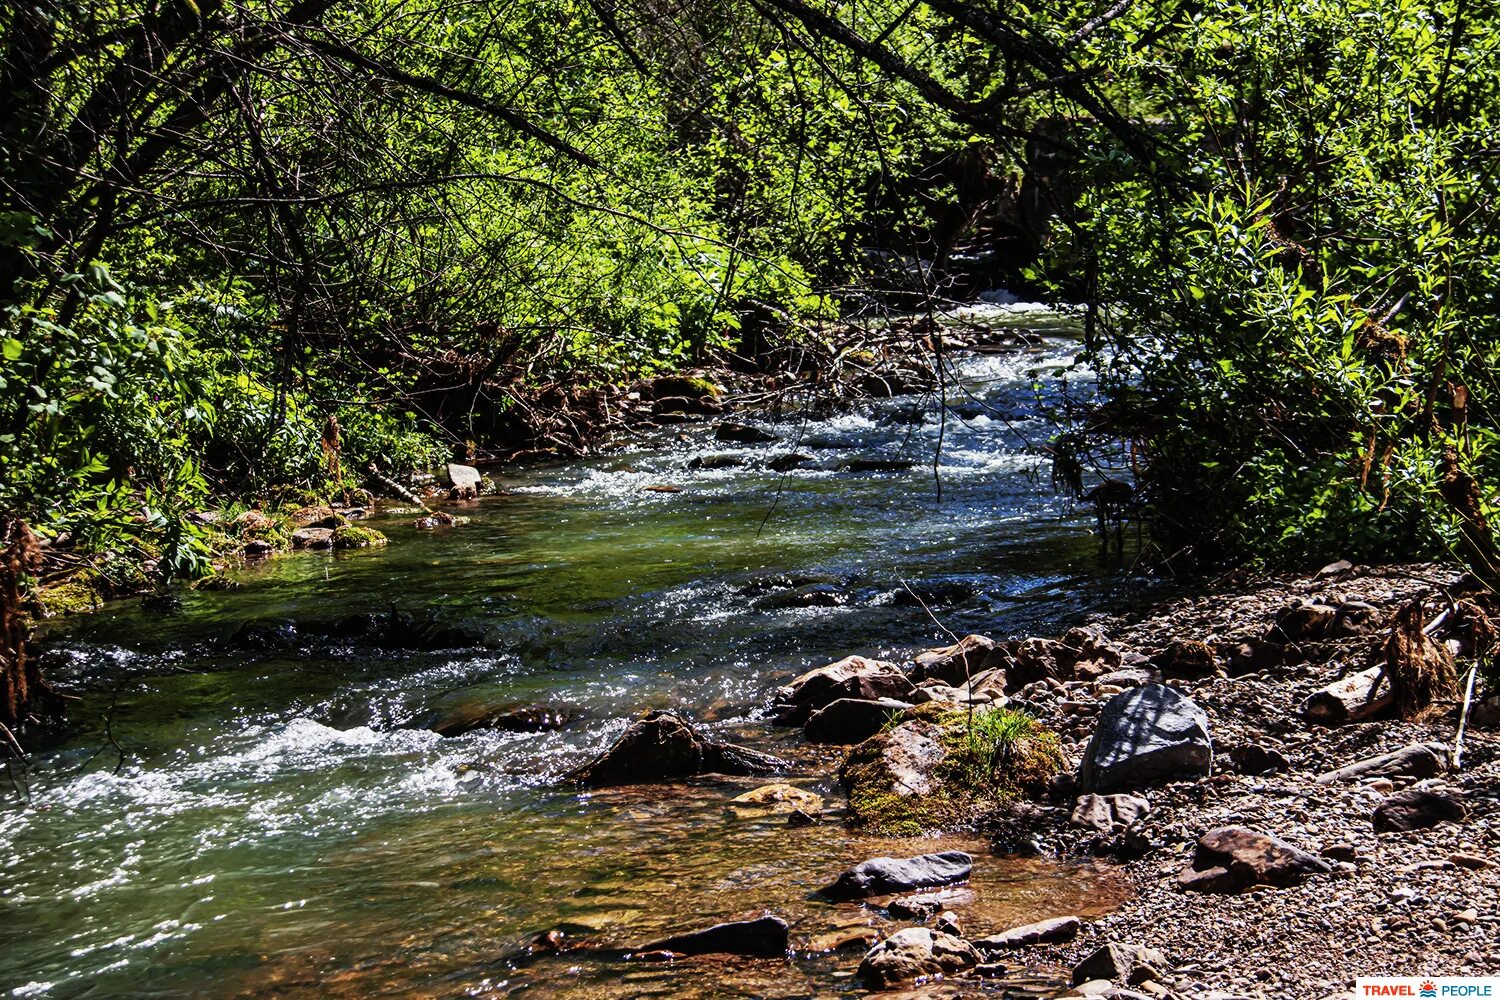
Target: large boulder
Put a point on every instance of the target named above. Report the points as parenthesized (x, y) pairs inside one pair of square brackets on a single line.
[(463, 478), (956, 664), (882, 876), (852, 677), (1146, 735), (662, 745), (763, 937), (913, 955), (851, 720), (1232, 858), (888, 777)]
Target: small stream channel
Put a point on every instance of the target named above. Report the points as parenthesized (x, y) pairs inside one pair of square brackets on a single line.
[(282, 826)]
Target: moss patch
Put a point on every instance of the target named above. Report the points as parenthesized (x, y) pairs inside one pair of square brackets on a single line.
[(966, 764), (353, 536), (684, 385), (79, 593)]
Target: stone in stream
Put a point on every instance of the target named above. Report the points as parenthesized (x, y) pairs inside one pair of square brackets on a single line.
[(776, 799), (875, 465), (662, 745), (510, 718), (1146, 735), (958, 663), (1232, 858), (923, 906), (816, 595), (1054, 931), (912, 954), (881, 876), (743, 433), (464, 478), (852, 720), (787, 461), (312, 538), (725, 461), (763, 937), (1417, 810), (851, 677)]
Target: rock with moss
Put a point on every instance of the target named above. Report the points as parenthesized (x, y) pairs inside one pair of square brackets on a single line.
[(944, 768), (684, 386), (79, 593), (354, 536)]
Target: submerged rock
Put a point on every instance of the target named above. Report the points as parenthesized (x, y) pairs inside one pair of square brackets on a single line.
[(1054, 931), (1146, 735), (817, 595), (511, 718), (788, 461), (881, 876), (915, 954), (764, 937), (743, 433), (776, 799), (662, 745)]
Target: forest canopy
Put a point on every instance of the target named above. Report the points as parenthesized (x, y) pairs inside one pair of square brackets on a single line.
[(226, 224)]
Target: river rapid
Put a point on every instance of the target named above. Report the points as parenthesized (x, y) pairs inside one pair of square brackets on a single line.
[(248, 805)]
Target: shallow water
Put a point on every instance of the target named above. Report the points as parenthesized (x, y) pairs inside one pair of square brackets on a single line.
[(281, 826)]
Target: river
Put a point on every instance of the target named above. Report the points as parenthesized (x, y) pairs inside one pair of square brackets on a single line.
[(281, 825)]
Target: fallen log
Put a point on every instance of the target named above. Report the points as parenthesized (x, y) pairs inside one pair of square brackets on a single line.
[(1358, 696)]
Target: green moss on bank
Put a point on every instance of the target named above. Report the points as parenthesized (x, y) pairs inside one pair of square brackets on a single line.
[(986, 758)]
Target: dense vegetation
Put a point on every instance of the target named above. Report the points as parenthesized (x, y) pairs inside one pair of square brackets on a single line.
[(231, 226)]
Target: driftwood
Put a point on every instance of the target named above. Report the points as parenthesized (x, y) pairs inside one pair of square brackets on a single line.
[(394, 488), (1358, 696), (1420, 760)]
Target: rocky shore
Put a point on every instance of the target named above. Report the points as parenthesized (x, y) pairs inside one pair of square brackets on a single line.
[(1290, 810)]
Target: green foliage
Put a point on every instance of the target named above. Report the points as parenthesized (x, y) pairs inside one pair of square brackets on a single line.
[(1297, 306)]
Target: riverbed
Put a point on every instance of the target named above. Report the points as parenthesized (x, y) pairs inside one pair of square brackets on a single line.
[(250, 805)]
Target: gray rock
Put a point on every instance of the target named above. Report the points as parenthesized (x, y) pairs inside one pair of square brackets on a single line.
[(1105, 813), (312, 538), (1054, 931), (462, 477), (1252, 758), (1121, 963), (913, 954), (851, 720), (1410, 763), (880, 876), (1146, 735)]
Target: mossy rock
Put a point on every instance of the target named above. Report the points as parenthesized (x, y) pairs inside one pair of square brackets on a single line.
[(353, 536), (684, 385), (258, 526), (79, 593), (940, 768)]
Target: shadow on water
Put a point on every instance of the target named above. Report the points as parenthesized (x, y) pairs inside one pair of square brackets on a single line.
[(280, 825)]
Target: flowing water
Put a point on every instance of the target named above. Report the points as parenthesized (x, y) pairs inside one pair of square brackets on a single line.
[(250, 807)]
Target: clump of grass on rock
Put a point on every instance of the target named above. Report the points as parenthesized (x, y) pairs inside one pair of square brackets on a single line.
[(940, 767)]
